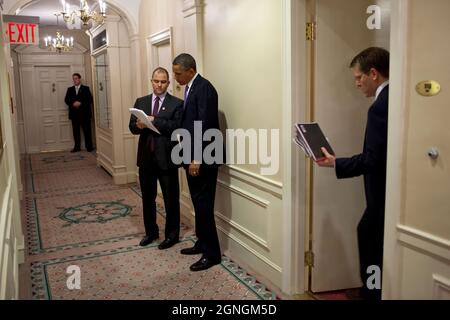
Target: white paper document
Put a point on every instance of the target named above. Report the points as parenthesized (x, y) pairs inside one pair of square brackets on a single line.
[(144, 119)]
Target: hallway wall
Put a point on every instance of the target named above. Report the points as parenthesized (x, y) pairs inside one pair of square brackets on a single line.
[(11, 237), (241, 54), (417, 236)]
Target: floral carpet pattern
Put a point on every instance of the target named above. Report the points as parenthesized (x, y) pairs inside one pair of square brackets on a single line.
[(77, 219)]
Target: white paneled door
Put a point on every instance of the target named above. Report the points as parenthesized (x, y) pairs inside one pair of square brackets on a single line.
[(55, 128), (341, 110)]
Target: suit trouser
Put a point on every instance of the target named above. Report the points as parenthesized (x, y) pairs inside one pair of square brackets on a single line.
[(77, 124), (203, 192), (168, 180), (370, 244)]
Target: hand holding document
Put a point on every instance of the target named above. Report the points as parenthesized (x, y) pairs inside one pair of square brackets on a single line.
[(144, 119), (311, 140)]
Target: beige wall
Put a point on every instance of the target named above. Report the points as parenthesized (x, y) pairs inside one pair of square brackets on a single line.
[(155, 16), (417, 229), (11, 237), (243, 59), (427, 185), (238, 47)]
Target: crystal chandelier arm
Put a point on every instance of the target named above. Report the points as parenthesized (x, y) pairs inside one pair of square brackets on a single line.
[(84, 13)]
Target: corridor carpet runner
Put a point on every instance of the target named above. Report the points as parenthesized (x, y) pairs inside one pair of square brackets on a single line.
[(76, 217), (135, 273)]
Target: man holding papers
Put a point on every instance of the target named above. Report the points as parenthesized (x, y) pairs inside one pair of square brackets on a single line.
[(371, 71), (164, 113)]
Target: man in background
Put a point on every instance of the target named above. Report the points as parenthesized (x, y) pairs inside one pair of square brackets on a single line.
[(79, 100), (371, 71), (154, 159)]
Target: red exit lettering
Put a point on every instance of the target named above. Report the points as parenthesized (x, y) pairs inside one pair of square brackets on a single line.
[(24, 33)]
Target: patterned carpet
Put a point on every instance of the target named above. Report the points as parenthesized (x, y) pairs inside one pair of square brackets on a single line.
[(77, 218)]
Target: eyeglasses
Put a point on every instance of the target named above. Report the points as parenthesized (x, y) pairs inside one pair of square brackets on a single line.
[(159, 81)]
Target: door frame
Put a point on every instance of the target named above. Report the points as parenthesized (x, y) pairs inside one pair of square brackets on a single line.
[(294, 106), (29, 59), (295, 225)]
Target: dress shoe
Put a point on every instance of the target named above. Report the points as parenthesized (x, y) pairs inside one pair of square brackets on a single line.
[(147, 240), (203, 264), (191, 251), (90, 150), (75, 150), (167, 243)]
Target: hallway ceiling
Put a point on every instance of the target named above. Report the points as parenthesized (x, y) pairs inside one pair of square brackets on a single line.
[(46, 9)]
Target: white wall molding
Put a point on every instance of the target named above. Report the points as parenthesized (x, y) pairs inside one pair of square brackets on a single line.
[(25, 49), (263, 243), (153, 43), (186, 195), (252, 251), (103, 159), (273, 187), (191, 7), (441, 287), (128, 136), (422, 240), (244, 194), (161, 37)]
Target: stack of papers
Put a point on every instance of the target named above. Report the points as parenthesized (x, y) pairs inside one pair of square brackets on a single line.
[(311, 140), (144, 118)]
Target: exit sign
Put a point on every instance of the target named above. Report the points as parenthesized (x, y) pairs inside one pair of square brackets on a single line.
[(21, 29)]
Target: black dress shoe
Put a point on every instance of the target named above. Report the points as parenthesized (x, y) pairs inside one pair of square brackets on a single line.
[(167, 243), (147, 240), (203, 264), (75, 150), (191, 251)]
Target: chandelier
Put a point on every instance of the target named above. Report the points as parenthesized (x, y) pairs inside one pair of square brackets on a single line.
[(60, 43), (84, 13)]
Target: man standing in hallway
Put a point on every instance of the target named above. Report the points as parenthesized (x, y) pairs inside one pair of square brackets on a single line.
[(154, 159), (201, 106), (79, 100), (371, 71)]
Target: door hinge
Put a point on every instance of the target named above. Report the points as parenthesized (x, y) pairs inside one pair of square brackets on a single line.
[(309, 259), (310, 31)]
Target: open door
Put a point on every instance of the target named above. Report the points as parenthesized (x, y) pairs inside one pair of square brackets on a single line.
[(336, 206)]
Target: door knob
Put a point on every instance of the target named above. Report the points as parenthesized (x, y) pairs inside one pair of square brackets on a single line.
[(433, 153)]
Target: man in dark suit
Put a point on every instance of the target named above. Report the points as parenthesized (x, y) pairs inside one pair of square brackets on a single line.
[(154, 159), (371, 71), (79, 100), (201, 106)]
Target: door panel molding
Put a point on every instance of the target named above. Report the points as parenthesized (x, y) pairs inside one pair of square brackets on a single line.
[(424, 241)]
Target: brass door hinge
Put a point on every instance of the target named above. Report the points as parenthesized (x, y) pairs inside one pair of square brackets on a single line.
[(310, 31), (309, 259)]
